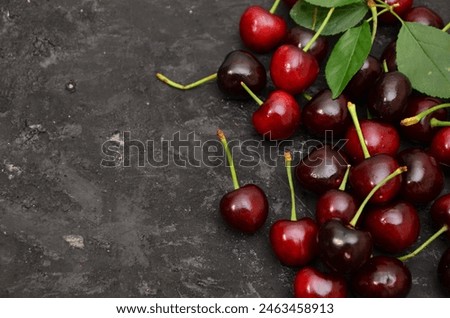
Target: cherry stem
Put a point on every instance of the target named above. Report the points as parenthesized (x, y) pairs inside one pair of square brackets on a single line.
[(288, 160), (439, 123), (274, 6), (224, 143), (424, 244), (171, 83), (249, 91), (385, 67), (393, 175), (415, 119), (373, 9), (446, 28), (379, 12), (345, 179), (307, 96), (319, 31), (352, 109)]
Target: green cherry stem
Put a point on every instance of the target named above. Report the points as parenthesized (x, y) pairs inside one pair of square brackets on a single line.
[(249, 91), (393, 175), (288, 160), (446, 28), (319, 31), (345, 179), (352, 110), (424, 244), (385, 67), (224, 143), (306, 96), (274, 6), (373, 9), (439, 123), (415, 119), (171, 83)]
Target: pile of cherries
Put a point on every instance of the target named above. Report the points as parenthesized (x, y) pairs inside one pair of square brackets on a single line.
[(369, 175)]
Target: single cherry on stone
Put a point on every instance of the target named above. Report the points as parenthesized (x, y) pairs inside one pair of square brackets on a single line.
[(238, 66), (246, 208), (278, 117), (310, 283), (261, 30), (294, 241), (425, 16)]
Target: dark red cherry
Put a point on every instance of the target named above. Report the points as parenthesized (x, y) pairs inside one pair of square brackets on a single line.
[(424, 180), (323, 169), (440, 146), (361, 83), (260, 30), (370, 172), (402, 7), (440, 210), (388, 98), (394, 227), (382, 277), (380, 138), (310, 283), (241, 66), (444, 270), (294, 242), (290, 3), (343, 248), (323, 113), (422, 131), (299, 36), (292, 69), (390, 56), (425, 16), (336, 204), (245, 209), (278, 117)]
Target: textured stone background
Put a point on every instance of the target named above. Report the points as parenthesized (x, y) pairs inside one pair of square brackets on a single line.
[(71, 228)]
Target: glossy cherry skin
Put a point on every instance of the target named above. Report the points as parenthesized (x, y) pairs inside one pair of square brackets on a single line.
[(401, 9), (380, 138), (440, 146), (444, 270), (425, 16), (323, 169), (343, 248), (394, 227), (278, 117), (245, 209), (310, 283), (359, 86), (241, 66), (382, 277), (294, 242), (290, 3), (390, 56), (424, 180), (292, 69), (370, 172), (388, 98), (300, 37), (336, 204), (323, 113), (260, 30), (440, 210), (422, 131)]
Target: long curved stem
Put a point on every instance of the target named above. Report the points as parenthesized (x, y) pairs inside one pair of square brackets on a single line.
[(415, 119), (319, 31), (224, 143), (373, 9), (173, 84), (352, 110), (274, 6), (424, 244), (345, 179), (253, 95), (288, 160)]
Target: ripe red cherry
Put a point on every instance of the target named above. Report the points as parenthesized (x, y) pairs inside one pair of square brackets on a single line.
[(440, 210), (323, 113), (261, 30), (444, 270), (424, 180), (382, 276), (300, 37), (394, 227), (402, 7), (390, 56), (359, 86), (440, 146), (336, 204), (292, 69), (422, 131), (310, 283), (425, 16), (380, 138)]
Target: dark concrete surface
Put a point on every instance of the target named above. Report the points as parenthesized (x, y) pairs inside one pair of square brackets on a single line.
[(69, 227)]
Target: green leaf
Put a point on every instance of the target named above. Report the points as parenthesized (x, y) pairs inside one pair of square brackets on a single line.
[(343, 18), (333, 3), (423, 55), (347, 57)]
